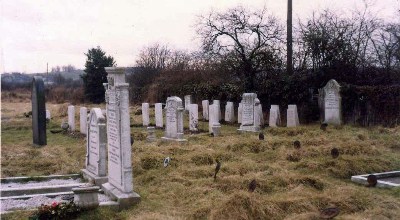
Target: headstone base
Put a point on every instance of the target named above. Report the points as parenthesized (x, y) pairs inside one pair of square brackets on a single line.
[(86, 197), (125, 200), (97, 180), (244, 128), (216, 130), (173, 139)]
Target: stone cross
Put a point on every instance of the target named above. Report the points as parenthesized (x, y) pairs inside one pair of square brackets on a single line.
[(38, 112), (274, 116), (120, 181), (331, 103), (83, 120), (292, 116), (96, 148), (193, 117), (229, 112), (205, 104), (188, 101), (159, 115), (174, 119), (71, 117), (250, 114), (145, 114)]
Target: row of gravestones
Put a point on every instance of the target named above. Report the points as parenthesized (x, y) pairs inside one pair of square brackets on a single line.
[(83, 119)]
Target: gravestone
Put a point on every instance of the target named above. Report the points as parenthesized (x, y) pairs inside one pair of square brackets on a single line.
[(292, 116), (151, 134), (188, 101), (71, 117), (274, 116), (48, 115), (38, 112), (218, 109), (331, 103), (174, 120), (83, 120), (250, 118), (96, 148), (258, 113), (159, 115), (193, 117), (120, 181), (205, 105), (240, 111), (145, 114), (213, 124), (230, 112)]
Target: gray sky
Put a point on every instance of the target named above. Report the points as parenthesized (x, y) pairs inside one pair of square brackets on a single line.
[(34, 32)]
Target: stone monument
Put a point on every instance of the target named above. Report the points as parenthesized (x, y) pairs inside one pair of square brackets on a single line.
[(218, 109), (331, 103), (120, 181), (193, 117), (188, 101), (274, 116), (174, 120), (71, 118), (38, 112), (159, 115), (230, 112), (250, 118), (205, 104), (213, 124), (240, 110), (83, 120), (292, 116), (145, 114), (96, 148)]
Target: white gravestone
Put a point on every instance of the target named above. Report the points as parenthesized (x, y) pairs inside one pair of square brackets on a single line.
[(211, 117), (292, 116), (48, 115), (218, 107), (250, 118), (205, 104), (83, 120), (120, 181), (213, 124), (258, 113), (174, 119), (193, 117), (96, 148), (332, 103), (188, 101), (159, 115), (240, 110), (71, 117), (230, 112), (274, 116), (145, 114)]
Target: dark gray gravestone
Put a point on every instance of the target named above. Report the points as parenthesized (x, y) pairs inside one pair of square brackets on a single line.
[(38, 112)]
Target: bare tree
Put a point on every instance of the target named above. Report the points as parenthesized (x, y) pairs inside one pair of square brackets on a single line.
[(248, 41), (154, 57)]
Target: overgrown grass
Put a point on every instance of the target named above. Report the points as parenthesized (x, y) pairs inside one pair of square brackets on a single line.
[(186, 189)]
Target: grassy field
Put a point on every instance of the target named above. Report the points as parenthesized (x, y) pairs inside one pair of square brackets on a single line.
[(289, 187)]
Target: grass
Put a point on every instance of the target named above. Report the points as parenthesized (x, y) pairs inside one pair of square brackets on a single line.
[(186, 190)]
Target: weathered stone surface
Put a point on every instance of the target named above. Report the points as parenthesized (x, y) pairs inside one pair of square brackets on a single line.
[(145, 114), (159, 115), (71, 117), (274, 116), (250, 120), (217, 103), (205, 104), (240, 111), (96, 148), (331, 103), (174, 119), (120, 180), (188, 101), (193, 117), (83, 120), (230, 112), (38, 112), (292, 116), (86, 197)]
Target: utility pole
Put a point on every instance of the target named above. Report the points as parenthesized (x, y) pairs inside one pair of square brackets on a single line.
[(289, 44)]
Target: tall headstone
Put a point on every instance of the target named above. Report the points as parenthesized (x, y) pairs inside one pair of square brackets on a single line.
[(96, 148), (218, 107), (240, 111), (83, 120), (213, 124), (292, 116), (159, 115), (193, 117), (48, 115), (71, 117), (205, 104), (331, 103), (174, 119), (188, 101), (250, 119), (120, 181), (145, 114), (230, 112), (274, 116), (38, 112), (258, 113)]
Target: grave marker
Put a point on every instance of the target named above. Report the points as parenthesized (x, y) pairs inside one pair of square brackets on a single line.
[(205, 105), (159, 115), (48, 115), (71, 117), (240, 111), (250, 116), (292, 116), (83, 120), (188, 101), (229, 112), (38, 112), (331, 103), (218, 109), (145, 114), (193, 117), (174, 119), (274, 116)]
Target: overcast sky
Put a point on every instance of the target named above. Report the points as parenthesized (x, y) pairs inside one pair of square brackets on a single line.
[(36, 32)]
